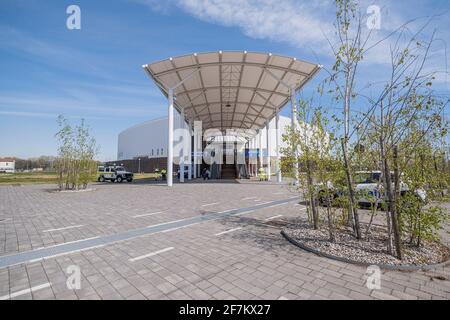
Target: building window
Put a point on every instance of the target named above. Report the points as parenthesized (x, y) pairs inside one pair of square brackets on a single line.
[(162, 151), (157, 152), (152, 152)]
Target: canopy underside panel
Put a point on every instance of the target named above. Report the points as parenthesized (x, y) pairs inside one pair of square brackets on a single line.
[(231, 89)]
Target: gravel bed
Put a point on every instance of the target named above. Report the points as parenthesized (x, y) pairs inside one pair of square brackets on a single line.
[(372, 251)]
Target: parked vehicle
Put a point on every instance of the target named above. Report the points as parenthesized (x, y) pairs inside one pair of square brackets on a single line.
[(369, 189), (113, 174)]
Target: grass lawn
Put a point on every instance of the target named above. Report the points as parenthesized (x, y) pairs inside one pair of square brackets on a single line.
[(145, 176), (28, 177), (51, 177)]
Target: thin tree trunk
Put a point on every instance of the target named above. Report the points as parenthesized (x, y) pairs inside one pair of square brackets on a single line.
[(330, 220), (392, 209), (397, 191), (312, 201), (390, 244), (436, 169), (419, 229), (388, 216), (419, 208), (374, 211), (308, 207), (353, 212)]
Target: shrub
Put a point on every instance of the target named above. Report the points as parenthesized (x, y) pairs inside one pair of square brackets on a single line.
[(75, 164)]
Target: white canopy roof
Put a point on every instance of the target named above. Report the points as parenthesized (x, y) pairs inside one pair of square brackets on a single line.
[(231, 89)]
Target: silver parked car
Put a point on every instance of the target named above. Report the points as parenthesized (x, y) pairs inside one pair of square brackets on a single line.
[(369, 189)]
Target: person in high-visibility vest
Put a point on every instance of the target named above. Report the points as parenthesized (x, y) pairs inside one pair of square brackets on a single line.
[(262, 174), (157, 174), (163, 174)]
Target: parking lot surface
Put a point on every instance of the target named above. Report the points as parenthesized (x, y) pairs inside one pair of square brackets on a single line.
[(193, 241)]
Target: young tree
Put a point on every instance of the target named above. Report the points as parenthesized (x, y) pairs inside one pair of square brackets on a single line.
[(299, 150), (328, 166), (405, 103), (348, 51), (75, 164), (419, 172), (315, 151), (405, 98)]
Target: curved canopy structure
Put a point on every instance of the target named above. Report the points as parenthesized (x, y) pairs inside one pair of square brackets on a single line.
[(227, 90), (231, 89)]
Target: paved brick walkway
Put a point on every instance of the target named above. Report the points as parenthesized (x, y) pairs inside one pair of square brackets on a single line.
[(238, 257)]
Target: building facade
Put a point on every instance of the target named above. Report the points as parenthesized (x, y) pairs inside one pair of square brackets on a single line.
[(143, 147), (145, 140), (7, 165)]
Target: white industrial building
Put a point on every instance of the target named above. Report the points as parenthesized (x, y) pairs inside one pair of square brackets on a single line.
[(148, 140)]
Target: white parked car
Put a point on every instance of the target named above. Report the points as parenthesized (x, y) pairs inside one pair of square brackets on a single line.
[(369, 188), (113, 174)]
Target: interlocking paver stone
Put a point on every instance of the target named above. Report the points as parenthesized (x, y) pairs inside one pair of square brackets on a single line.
[(254, 262)]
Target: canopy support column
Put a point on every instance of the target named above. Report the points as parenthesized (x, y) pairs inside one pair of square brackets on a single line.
[(170, 141), (246, 156), (195, 153), (294, 128), (183, 145), (293, 118), (198, 141), (277, 145), (170, 127), (255, 157), (261, 159), (268, 145), (190, 151)]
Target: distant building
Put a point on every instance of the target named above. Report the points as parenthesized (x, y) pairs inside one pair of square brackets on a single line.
[(143, 147), (7, 165)]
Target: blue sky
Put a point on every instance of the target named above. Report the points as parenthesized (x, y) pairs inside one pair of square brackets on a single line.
[(95, 73)]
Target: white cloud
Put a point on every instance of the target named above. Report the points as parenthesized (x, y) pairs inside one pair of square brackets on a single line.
[(299, 23), (290, 21), (156, 5)]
